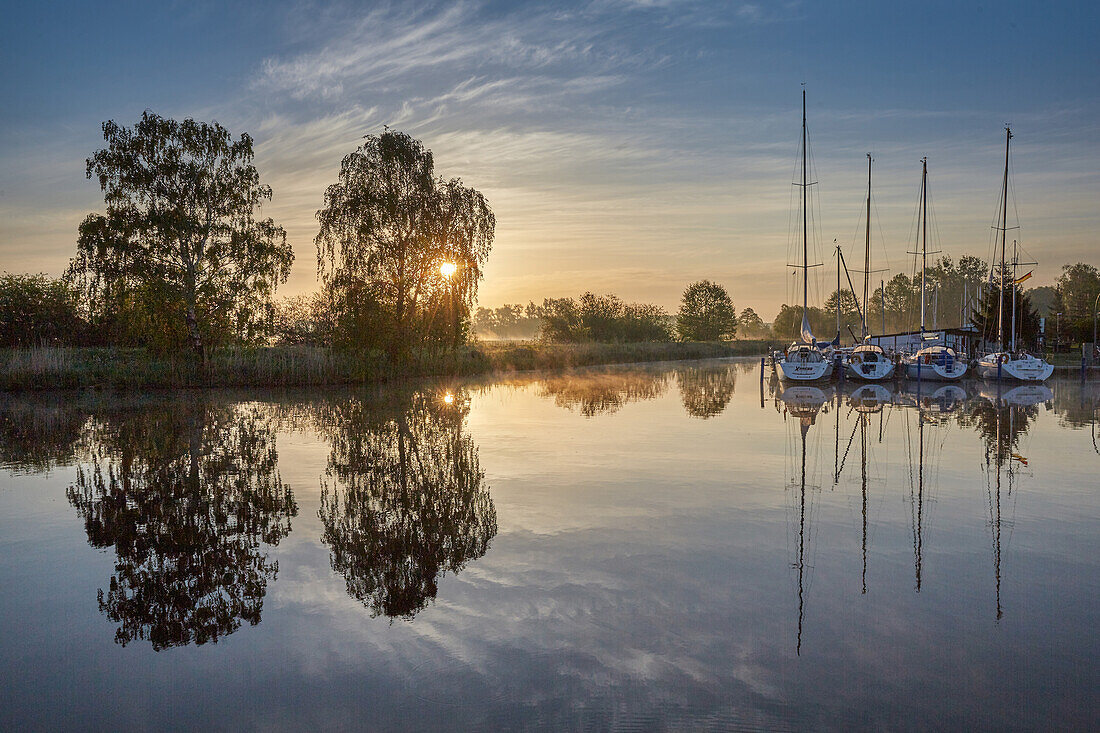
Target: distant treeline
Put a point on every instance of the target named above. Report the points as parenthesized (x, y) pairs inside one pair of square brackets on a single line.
[(39, 310)]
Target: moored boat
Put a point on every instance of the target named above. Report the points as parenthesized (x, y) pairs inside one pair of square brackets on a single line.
[(934, 361), (803, 360), (1012, 363)]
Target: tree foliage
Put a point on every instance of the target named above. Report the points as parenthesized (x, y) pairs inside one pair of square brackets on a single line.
[(509, 321), (36, 310), (387, 226), (603, 319), (1078, 287), (985, 317), (787, 324), (706, 313), (751, 325), (180, 244)]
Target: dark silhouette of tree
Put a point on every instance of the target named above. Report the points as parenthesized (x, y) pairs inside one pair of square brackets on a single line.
[(404, 499), (597, 393), (1027, 319), (387, 227), (185, 493), (705, 391), (36, 310), (788, 322), (706, 313), (509, 321), (180, 247), (603, 319)]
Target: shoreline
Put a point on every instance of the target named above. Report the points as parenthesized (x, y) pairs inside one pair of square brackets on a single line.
[(63, 368)]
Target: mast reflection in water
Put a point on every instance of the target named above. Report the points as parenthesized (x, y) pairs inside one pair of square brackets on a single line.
[(802, 403)]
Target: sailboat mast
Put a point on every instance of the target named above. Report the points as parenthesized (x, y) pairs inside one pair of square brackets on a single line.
[(805, 247), (1015, 259), (867, 250), (838, 263), (924, 245), (1004, 236)]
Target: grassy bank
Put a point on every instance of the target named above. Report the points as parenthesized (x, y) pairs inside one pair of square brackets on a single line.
[(63, 367)]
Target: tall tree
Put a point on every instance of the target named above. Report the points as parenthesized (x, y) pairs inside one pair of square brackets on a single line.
[(389, 225), (181, 226), (986, 318), (1078, 287), (706, 313), (751, 324)]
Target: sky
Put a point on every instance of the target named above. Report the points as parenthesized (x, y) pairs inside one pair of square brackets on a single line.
[(625, 146)]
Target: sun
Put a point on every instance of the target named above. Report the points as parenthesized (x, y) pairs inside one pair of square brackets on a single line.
[(447, 269)]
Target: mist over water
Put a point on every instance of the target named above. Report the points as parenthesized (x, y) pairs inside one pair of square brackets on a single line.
[(674, 546)]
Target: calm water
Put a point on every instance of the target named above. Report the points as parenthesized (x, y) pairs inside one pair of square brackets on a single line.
[(638, 548)]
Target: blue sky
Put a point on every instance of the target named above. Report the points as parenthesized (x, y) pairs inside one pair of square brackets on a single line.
[(625, 146)]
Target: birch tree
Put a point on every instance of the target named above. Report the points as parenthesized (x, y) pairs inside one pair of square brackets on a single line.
[(182, 202)]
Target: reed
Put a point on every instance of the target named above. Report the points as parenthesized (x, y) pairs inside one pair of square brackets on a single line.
[(52, 367)]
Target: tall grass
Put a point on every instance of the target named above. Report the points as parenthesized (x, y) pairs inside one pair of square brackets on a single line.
[(285, 366)]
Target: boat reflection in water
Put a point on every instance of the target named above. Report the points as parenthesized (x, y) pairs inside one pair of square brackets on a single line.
[(1003, 417), (930, 414), (865, 401), (800, 405)]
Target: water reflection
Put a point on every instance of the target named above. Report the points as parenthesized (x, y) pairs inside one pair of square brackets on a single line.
[(186, 493), (404, 499), (929, 415), (705, 391), (802, 403), (38, 432), (597, 392)]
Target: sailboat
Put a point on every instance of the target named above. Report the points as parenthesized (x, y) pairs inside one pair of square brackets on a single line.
[(804, 360), (868, 361), (935, 361), (1014, 364)]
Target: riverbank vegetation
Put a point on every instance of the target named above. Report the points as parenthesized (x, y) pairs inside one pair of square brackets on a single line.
[(64, 367)]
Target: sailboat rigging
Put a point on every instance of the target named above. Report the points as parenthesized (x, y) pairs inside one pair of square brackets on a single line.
[(936, 361), (1013, 363), (867, 361), (804, 360)]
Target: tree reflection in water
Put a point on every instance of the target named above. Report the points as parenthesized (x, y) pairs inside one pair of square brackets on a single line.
[(404, 499), (594, 392), (706, 391), (38, 431), (185, 493)]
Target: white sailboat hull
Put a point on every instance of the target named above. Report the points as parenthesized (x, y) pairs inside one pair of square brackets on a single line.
[(1003, 366), (874, 371), (942, 372), (795, 371)]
